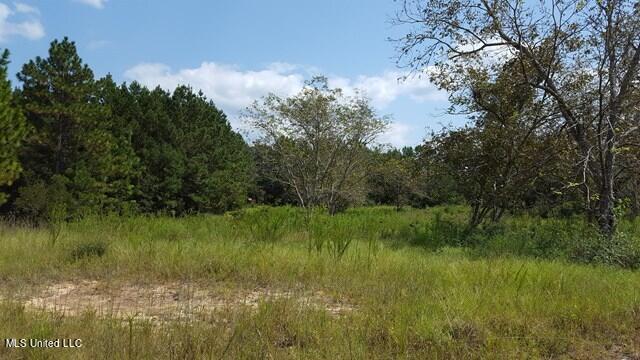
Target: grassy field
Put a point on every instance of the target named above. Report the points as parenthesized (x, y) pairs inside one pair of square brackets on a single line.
[(370, 283)]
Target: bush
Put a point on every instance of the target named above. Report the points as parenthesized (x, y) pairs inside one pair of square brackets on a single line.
[(87, 249), (441, 231), (535, 237), (40, 201), (621, 250)]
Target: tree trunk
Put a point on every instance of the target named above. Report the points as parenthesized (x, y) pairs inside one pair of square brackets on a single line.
[(478, 214), (606, 214), (59, 148), (497, 213), (607, 217), (635, 200), (607, 202), (606, 207)]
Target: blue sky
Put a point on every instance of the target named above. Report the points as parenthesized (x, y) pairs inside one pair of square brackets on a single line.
[(235, 50)]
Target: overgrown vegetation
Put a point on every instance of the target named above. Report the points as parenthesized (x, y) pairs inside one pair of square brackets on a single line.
[(514, 236), (417, 286), (559, 73)]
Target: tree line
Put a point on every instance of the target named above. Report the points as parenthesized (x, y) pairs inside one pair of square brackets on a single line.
[(72, 144), (548, 133)]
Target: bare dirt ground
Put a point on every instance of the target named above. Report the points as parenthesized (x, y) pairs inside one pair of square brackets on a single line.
[(163, 303), (167, 301)]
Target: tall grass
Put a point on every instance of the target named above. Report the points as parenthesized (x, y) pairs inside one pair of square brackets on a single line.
[(418, 284)]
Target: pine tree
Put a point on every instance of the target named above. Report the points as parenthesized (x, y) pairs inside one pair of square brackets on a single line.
[(190, 158), (12, 130), (73, 145), (218, 161)]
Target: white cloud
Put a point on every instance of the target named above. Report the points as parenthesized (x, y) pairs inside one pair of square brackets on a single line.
[(398, 134), (98, 4), (386, 88), (30, 27), (26, 9), (229, 87), (233, 89), (282, 67), (493, 55)]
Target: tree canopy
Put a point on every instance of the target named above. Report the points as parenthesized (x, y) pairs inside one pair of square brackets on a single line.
[(317, 142), (95, 146), (578, 60)]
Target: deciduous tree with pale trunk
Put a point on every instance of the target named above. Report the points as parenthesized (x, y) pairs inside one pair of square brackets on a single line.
[(317, 142), (581, 57)]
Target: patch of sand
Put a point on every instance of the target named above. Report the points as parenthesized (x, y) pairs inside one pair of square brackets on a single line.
[(167, 301)]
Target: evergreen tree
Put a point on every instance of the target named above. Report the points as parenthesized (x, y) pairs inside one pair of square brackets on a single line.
[(12, 130), (218, 162), (190, 158), (161, 163), (73, 146), (123, 176)]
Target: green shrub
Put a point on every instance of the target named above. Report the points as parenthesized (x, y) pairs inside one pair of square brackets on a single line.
[(621, 250), (440, 231), (87, 250), (40, 201)]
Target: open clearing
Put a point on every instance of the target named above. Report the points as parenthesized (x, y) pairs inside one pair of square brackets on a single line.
[(371, 283)]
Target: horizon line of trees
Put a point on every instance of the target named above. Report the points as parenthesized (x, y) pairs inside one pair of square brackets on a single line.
[(71, 144)]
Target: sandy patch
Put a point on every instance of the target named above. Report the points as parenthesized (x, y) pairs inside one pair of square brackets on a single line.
[(166, 301)]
